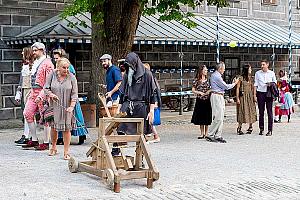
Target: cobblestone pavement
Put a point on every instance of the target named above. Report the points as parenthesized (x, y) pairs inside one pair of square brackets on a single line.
[(247, 167)]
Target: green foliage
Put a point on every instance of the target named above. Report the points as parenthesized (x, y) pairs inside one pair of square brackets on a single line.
[(83, 6), (167, 10)]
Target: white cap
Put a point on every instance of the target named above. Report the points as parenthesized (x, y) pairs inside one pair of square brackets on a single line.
[(105, 56), (39, 45)]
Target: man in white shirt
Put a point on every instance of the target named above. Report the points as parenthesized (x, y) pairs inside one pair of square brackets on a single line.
[(263, 78)]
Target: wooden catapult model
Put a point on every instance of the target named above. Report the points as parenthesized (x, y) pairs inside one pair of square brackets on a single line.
[(113, 169)]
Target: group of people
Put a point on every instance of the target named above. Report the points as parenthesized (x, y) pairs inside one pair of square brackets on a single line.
[(263, 90), (48, 92), (133, 89)]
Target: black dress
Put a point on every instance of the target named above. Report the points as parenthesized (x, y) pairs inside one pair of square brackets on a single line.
[(202, 114)]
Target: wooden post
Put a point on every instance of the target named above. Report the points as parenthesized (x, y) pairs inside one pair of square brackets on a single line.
[(138, 151)]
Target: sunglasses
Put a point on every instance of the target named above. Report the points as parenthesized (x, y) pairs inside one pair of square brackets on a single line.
[(34, 50)]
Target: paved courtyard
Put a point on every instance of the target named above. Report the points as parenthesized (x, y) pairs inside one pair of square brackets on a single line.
[(247, 167)]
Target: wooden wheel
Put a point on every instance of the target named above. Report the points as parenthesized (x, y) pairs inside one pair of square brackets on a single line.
[(109, 177), (73, 165)]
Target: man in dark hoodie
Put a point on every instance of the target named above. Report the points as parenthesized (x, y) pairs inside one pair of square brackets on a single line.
[(137, 95)]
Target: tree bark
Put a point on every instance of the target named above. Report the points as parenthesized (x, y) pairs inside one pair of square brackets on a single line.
[(114, 36)]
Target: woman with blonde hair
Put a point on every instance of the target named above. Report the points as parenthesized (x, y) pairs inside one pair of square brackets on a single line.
[(81, 130), (61, 87)]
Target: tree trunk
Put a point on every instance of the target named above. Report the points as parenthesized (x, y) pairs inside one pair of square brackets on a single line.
[(114, 36)]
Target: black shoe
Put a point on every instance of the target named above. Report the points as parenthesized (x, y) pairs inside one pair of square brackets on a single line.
[(60, 141), (277, 121), (81, 139), (249, 130), (22, 141), (261, 132), (201, 137), (269, 133), (115, 152), (210, 139), (221, 140), (239, 131)]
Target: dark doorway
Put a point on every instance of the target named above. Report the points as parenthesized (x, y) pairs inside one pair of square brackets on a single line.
[(232, 69)]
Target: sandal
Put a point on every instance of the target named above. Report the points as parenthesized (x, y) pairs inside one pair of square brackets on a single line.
[(239, 131), (52, 152), (249, 131), (67, 156), (201, 137)]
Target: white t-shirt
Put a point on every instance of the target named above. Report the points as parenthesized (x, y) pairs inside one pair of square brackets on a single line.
[(25, 70), (262, 78), (36, 63)]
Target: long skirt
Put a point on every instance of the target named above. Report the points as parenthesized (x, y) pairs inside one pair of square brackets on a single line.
[(246, 110), (202, 114), (287, 104), (81, 128)]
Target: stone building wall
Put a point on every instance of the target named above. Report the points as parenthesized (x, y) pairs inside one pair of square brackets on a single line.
[(254, 9), (17, 16)]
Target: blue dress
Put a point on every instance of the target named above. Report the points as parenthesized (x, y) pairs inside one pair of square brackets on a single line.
[(81, 128)]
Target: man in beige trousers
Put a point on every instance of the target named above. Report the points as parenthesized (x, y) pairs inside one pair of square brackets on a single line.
[(218, 87)]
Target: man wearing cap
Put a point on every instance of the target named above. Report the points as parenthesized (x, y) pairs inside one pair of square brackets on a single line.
[(41, 67), (113, 79)]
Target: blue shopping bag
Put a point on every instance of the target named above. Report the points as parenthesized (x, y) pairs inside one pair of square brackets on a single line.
[(156, 120)]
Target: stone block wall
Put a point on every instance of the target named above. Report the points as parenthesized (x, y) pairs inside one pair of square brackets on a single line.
[(17, 16), (254, 9), (158, 56)]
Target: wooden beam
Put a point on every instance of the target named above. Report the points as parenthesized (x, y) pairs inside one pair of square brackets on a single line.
[(148, 158), (89, 169), (90, 162), (103, 100), (108, 157), (92, 148), (111, 127), (101, 130), (138, 156), (121, 120), (123, 138), (126, 175)]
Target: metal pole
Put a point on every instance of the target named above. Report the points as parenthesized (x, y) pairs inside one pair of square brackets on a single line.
[(218, 36), (181, 81), (290, 40), (273, 59)]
